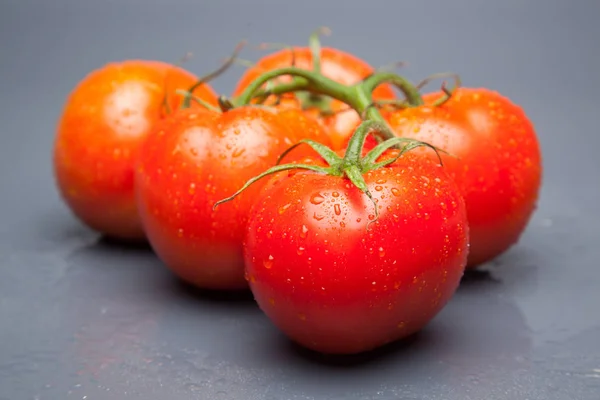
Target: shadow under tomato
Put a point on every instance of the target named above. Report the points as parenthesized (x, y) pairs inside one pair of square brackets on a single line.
[(479, 278), (123, 245), (405, 348), (510, 273), (239, 297)]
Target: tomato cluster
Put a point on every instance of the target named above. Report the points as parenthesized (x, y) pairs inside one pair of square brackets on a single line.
[(349, 211)]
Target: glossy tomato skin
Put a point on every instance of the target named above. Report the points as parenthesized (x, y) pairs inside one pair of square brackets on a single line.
[(498, 164), (338, 65), (194, 159), (105, 119), (334, 286)]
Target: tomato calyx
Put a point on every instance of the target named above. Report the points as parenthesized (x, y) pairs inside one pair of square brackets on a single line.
[(352, 166)]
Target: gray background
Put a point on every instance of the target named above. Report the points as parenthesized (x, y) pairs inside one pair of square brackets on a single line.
[(83, 319)]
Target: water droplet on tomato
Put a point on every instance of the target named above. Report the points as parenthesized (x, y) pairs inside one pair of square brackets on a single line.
[(378, 188), (337, 209), (268, 263), (283, 208), (381, 181), (238, 152), (269, 234), (381, 252), (180, 232), (342, 224), (302, 316), (358, 219), (318, 217), (335, 194), (395, 192), (300, 250), (303, 231), (401, 325), (317, 199), (192, 188)]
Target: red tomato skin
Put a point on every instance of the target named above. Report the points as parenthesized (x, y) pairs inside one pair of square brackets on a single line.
[(334, 287), (499, 164), (106, 118), (194, 159), (337, 65)]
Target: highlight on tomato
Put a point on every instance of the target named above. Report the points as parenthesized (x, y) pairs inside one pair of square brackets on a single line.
[(106, 118), (335, 116), (348, 254)]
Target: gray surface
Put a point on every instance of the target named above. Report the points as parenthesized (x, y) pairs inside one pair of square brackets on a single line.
[(83, 319)]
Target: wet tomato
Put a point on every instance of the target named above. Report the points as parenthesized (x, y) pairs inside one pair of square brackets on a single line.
[(334, 283), (197, 157), (105, 119), (497, 162), (337, 65)]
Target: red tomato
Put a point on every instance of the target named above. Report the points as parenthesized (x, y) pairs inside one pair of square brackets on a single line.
[(340, 66), (498, 168), (334, 284), (105, 119), (197, 157)]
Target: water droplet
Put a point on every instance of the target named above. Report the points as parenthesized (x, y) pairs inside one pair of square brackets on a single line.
[(358, 219), (238, 152), (302, 316), (303, 232), (300, 250), (378, 188), (337, 209), (268, 263), (180, 232), (269, 234), (335, 194), (395, 192), (380, 181), (192, 188), (318, 217), (381, 252), (317, 199), (401, 325), (342, 224), (282, 209)]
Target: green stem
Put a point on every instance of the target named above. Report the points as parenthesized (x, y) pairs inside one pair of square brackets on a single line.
[(408, 89), (355, 96), (353, 154)]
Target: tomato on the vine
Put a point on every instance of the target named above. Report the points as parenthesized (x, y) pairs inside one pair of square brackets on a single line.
[(335, 64), (197, 157), (105, 120), (346, 255), (496, 161)]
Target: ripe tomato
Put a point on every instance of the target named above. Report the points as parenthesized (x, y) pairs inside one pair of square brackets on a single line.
[(105, 119), (498, 168), (195, 158), (337, 65), (337, 285)]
